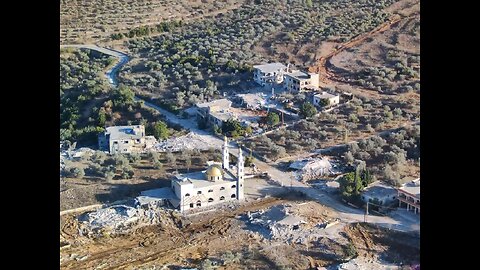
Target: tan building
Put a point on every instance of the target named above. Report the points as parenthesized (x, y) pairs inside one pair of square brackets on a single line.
[(297, 81), (332, 100), (409, 196)]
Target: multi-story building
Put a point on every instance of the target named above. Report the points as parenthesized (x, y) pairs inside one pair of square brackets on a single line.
[(409, 196), (123, 139), (297, 81), (215, 112), (269, 74)]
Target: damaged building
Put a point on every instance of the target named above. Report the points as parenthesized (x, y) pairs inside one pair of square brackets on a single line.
[(125, 139)]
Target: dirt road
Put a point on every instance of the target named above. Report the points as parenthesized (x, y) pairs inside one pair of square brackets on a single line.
[(159, 244), (329, 78)]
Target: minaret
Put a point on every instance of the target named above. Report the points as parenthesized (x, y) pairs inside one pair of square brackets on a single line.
[(240, 174), (225, 155)]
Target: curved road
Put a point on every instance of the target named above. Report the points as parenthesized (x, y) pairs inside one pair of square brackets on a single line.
[(346, 213)]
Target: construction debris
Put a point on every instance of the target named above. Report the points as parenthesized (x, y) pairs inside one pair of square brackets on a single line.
[(189, 141), (119, 219), (312, 168), (280, 223)]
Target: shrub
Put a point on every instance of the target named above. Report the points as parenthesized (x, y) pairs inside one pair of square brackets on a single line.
[(160, 130), (307, 110), (76, 172)]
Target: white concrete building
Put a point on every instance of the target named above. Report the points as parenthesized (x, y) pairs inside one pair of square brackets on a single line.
[(409, 196), (215, 112), (124, 139), (297, 81), (332, 100), (379, 192), (215, 185), (269, 73)]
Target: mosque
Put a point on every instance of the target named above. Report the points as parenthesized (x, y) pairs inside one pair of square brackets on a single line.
[(219, 183)]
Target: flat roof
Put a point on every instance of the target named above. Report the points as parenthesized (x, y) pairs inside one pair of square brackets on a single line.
[(379, 190), (298, 75), (124, 132), (325, 95), (225, 103), (271, 67), (157, 194), (199, 180), (412, 187), (222, 115)]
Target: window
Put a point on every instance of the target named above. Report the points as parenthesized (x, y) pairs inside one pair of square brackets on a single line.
[(199, 203), (191, 205), (222, 188), (222, 198), (233, 196), (138, 140), (115, 142), (187, 195), (241, 185), (233, 186), (199, 192), (126, 142), (210, 199), (210, 190)]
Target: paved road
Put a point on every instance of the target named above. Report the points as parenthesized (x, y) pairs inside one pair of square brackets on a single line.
[(346, 213)]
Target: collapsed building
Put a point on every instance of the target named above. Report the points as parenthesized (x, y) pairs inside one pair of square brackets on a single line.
[(312, 168)]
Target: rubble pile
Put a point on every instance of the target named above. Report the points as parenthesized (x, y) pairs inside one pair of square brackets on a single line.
[(312, 168), (278, 223), (189, 141), (119, 219)]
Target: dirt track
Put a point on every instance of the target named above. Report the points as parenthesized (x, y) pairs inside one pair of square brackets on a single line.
[(153, 243), (328, 77)]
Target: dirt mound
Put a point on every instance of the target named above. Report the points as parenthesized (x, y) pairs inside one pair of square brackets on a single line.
[(389, 245)]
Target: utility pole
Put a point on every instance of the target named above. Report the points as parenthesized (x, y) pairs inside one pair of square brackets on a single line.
[(366, 213)]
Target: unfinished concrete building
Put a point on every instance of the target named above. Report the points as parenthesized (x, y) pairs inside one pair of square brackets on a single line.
[(123, 139), (214, 112), (269, 74)]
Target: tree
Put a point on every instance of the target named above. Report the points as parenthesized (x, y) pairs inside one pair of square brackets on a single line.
[(188, 162), (76, 172), (160, 130), (109, 175), (349, 157), (273, 119), (324, 102), (233, 128), (157, 165), (102, 117), (307, 110), (123, 96), (171, 159), (134, 157), (309, 3)]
